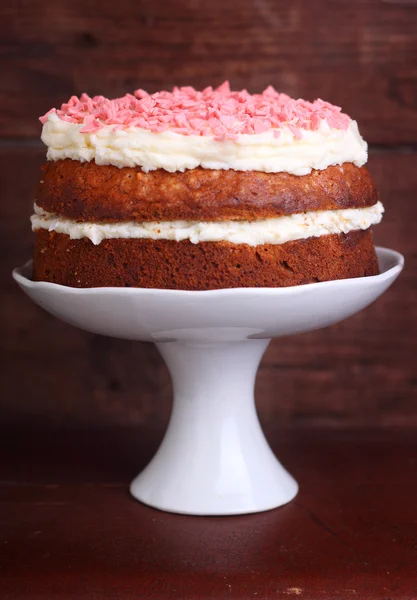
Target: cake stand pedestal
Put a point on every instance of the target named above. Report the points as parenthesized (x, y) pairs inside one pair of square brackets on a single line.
[(214, 459)]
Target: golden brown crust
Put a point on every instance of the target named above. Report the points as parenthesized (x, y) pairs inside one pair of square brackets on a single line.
[(209, 265), (89, 192)]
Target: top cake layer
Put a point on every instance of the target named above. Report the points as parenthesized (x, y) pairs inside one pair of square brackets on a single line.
[(214, 129)]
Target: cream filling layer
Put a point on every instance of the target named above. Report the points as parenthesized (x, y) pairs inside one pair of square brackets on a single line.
[(175, 152), (266, 231)]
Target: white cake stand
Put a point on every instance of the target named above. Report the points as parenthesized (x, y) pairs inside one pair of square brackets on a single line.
[(214, 459)]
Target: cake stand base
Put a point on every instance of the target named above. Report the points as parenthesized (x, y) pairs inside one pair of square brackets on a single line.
[(214, 459)]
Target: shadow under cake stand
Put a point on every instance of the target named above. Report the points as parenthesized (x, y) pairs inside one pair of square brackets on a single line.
[(214, 458)]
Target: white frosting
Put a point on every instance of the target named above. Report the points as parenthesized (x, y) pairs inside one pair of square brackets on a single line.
[(175, 152), (267, 231)]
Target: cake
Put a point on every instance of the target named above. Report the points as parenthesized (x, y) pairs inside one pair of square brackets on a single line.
[(200, 190)]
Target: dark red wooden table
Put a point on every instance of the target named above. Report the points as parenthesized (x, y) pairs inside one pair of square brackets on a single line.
[(69, 529)]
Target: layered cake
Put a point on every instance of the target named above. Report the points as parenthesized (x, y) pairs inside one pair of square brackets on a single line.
[(199, 190)]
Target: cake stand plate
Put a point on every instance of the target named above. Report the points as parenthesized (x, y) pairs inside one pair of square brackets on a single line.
[(214, 459)]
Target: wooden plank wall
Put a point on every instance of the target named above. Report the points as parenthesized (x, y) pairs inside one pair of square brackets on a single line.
[(360, 54)]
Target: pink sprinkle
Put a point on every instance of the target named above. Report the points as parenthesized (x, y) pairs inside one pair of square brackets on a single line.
[(295, 131), (260, 125), (219, 113), (44, 119), (196, 123), (91, 124), (314, 122)]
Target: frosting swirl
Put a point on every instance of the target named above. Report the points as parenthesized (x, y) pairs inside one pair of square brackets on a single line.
[(214, 129)]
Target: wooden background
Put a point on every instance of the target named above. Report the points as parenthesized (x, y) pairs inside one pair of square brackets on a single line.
[(361, 55)]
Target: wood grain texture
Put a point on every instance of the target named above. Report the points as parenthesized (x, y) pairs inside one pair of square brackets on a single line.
[(358, 373), (71, 531), (360, 55)]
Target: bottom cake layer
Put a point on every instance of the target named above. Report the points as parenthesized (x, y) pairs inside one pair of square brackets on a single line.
[(183, 265)]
